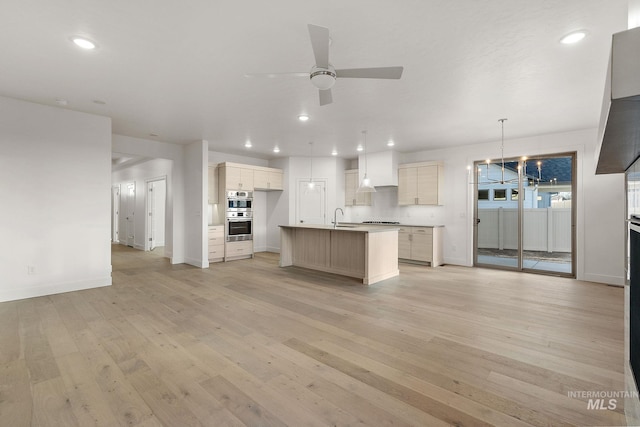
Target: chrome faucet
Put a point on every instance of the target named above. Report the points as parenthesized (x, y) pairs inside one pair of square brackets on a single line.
[(335, 216)]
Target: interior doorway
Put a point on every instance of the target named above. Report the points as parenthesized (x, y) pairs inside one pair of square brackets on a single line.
[(312, 202), (115, 210), (126, 214), (156, 213), (525, 214)]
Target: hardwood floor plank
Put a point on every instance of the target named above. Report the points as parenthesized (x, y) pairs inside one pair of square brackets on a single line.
[(85, 396), (52, 405), (238, 403), (424, 403), (9, 333), (370, 404), (16, 397)]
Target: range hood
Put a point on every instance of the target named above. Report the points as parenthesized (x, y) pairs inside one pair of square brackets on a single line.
[(619, 132), (382, 168)]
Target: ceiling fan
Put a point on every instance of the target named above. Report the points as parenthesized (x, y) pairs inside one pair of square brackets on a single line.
[(323, 75)]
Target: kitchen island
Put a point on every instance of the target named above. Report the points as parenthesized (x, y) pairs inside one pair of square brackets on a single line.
[(367, 253)]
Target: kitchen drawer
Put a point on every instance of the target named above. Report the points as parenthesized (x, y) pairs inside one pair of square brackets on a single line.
[(216, 252), (243, 248), (422, 230), (214, 241), (216, 231)]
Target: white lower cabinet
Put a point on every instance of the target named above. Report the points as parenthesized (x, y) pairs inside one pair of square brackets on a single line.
[(216, 243), (421, 244)]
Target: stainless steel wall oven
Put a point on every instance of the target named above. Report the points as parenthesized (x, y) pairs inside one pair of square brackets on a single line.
[(239, 216)]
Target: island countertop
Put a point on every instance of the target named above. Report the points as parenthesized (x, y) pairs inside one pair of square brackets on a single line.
[(367, 253), (347, 227), (392, 225)]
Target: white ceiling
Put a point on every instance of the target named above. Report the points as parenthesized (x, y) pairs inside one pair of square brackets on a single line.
[(176, 69)]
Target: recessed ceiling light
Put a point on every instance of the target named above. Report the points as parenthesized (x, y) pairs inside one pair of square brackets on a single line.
[(303, 117), (83, 42), (573, 37), (334, 152), (62, 102), (276, 150), (248, 144), (359, 148), (390, 143)]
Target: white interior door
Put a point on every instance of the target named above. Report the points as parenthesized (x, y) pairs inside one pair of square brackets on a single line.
[(115, 211), (127, 209), (156, 199), (311, 206)]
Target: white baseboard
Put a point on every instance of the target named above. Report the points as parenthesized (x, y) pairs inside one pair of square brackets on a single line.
[(138, 247), (200, 263), (457, 261), (274, 249), (600, 278), (56, 288)]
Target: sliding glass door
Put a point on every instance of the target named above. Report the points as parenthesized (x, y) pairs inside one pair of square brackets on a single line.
[(524, 214)]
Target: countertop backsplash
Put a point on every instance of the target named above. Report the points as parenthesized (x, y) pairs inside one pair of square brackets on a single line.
[(384, 207)]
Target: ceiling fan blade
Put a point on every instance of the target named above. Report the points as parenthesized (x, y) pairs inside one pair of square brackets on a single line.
[(320, 44), (325, 97), (276, 75), (371, 73)]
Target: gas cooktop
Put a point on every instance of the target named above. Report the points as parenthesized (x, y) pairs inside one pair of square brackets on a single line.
[(381, 222)]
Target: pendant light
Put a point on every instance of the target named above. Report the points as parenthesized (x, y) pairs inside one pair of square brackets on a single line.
[(310, 185), (365, 185)]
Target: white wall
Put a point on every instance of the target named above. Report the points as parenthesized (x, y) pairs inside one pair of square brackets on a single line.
[(54, 180), (599, 201), (216, 157), (282, 207), (139, 174)]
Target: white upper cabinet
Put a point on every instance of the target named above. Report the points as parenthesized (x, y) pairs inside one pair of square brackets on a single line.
[(235, 176), (420, 183), (267, 179)]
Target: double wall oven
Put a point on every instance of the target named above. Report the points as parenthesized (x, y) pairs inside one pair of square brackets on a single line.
[(239, 216)]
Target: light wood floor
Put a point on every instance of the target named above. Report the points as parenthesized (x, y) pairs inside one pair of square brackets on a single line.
[(249, 343)]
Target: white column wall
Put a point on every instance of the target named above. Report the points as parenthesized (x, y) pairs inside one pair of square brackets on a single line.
[(196, 186), (55, 166)]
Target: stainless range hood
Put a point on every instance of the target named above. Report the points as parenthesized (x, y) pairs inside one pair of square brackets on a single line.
[(619, 132)]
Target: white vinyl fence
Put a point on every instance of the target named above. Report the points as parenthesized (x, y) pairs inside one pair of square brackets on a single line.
[(543, 229)]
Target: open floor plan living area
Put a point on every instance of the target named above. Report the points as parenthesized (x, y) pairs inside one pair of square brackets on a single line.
[(363, 213)]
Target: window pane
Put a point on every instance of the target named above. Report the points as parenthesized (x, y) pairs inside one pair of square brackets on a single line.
[(500, 194), (483, 194), (514, 194)]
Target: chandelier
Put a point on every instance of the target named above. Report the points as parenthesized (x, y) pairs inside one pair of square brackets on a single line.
[(502, 179)]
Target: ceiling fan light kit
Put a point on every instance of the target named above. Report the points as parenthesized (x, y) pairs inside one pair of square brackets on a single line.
[(323, 78), (323, 75)]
